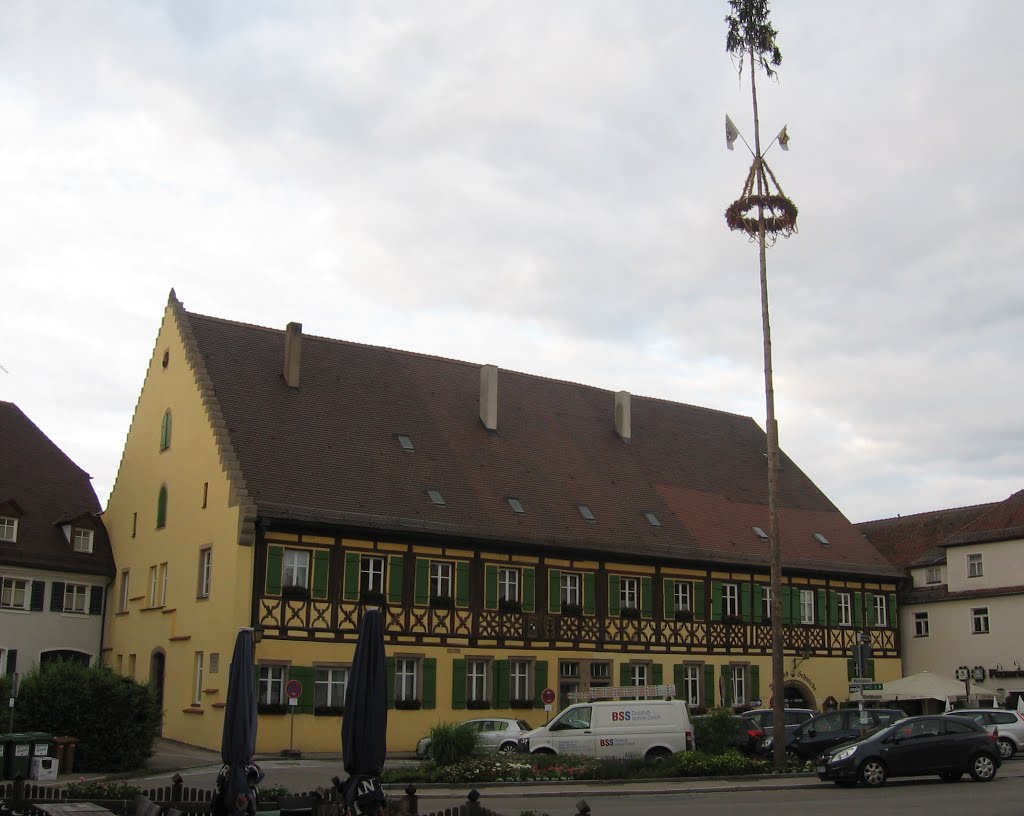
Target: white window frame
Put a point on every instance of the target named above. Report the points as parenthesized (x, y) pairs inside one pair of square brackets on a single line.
[(975, 565), (693, 673), (639, 674), (519, 679), (766, 602), (806, 606), (197, 695), (921, 626), (330, 685), (11, 589), (571, 589), (371, 573), (407, 672), (478, 676), (629, 592), (933, 575), (153, 586), (205, 572), (123, 600), (270, 690), (442, 580), (508, 584), (76, 598), (163, 584), (881, 610), (980, 624), (81, 539), (295, 568), (845, 608), (682, 596), (730, 600), (9, 529), (738, 681)]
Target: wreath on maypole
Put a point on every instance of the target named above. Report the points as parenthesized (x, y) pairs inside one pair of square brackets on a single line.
[(770, 205)]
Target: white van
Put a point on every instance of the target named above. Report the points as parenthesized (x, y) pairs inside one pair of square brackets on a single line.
[(652, 729)]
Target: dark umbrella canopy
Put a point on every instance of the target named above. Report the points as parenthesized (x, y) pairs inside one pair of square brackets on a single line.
[(365, 724), (238, 743)]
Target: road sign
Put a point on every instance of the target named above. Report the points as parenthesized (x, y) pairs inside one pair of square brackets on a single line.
[(862, 680), (858, 688), (293, 689), (547, 696)]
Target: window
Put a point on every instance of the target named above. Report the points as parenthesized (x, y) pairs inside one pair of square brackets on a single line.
[(881, 610), (974, 567), (197, 691), (295, 570), (638, 674), (371, 573), (76, 598), (516, 505), (652, 519), (570, 591), (271, 685), (738, 681), (81, 540), (165, 431), (508, 584), (807, 606), (153, 594), (14, 593), (933, 575), (206, 493), (979, 620), (406, 678), (123, 601), (8, 529), (161, 508), (406, 443), (435, 496), (601, 671), (441, 579), (730, 600), (519, 679), (691, 683), (163, 584), (569, 669), (920, 624), (586, 512), (629, 593), (682, 595), (476, 681), (205, 568), (845, 609), (330, 687), (135, 523), (766, 602)]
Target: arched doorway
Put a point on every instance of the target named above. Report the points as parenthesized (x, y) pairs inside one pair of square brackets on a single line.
[(157, 664), (797, 695)]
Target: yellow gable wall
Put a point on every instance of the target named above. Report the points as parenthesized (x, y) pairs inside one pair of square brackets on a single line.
[(183, 625)]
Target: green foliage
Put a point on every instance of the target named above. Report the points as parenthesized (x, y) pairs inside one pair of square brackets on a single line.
[(714, 732), (751, 34), (730, 763), (5, 689), (114, 718), (273, 793), (449, 743), (102, 790)]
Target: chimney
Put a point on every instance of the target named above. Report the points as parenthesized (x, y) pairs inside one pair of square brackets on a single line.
[(622, 418), (489, 397), (292, 354)]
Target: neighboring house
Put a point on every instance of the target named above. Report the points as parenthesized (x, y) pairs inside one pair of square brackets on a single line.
[(963, 604), (55, 559), (522, 533)]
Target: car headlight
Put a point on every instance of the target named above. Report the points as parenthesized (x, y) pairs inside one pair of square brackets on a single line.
[(846, 753), (766, 743)]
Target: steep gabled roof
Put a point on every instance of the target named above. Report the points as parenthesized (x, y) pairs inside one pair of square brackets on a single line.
[(48, 490), (328, 452), (1003, 520)]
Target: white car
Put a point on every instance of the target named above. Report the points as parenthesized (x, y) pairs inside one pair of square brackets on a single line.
[(493, 734), (1008, 724)]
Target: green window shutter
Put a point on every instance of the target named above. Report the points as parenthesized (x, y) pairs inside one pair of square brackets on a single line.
[(490, 586), (554, 591), (869, 607), (624, 678), (502, 683), (529, 589), (165, 431), (647, 596), (745, 601), (589, 602), (858, 609), (161, 507), (613, 595), (794, 600), (755, 683), (758, 602), (851, 668), (430, 682), (698, 599), (38, 594), (726, 685), (871, 668), (540, 681), (716, 600), (352, 578), (822, 607), (422, 590), (462, 583), (96, 600), (395, 579), (459, 683), (657, 674), (679, 680), (893, 620), (833, 607), (57, 596), (307, 676), (389, 675), (275, 558), (668, 604), (321, 570), (709, 686), (787, 605)]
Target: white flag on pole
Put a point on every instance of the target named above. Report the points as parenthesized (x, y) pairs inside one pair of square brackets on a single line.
[(949, 705), (783, 138), (732, 133), (1020, 702)]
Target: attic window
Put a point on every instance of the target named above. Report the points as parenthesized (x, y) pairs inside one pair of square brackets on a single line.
[(585, 512), (8, 529), (435, 496), (406, 443), (81, 540), (821, 539), (761, 534), (515, 504), (653, 519)]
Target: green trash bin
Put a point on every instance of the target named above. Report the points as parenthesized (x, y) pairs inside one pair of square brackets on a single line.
[(42, 744), (5, 744), (18, 756)]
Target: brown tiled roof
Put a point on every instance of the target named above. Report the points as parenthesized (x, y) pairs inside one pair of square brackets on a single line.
[(926, 594), (327, 452), (909, 540), (1002, 521), (49, 489)]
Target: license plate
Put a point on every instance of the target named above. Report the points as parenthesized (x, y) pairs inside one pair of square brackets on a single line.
[(820, 769)]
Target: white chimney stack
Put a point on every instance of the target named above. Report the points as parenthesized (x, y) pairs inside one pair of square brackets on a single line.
[(622, 417), (489, 396), (292, 354)]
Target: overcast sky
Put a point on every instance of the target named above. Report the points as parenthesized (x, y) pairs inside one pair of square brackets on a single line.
[(541, 186)]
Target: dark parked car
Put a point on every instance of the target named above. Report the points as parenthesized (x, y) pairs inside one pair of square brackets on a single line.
[(915, 746), (820, 733), (761, 718), (745, 738)]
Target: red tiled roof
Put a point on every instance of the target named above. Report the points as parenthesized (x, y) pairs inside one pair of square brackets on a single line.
[(49, 489), (1002, 521), (327, 452), (907, 540)]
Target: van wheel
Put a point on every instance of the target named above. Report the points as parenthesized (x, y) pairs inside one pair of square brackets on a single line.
[(545, 751), (658, 756)]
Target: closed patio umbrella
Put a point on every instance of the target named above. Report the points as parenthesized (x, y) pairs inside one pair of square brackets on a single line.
[(238, 741)]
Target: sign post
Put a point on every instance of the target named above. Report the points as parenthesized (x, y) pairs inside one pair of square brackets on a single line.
[(547, 697), (294, 691)]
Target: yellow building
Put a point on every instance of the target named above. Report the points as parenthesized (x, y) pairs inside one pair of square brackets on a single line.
[(521, 533)]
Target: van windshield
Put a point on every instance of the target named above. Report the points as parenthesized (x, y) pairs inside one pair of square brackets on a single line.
[(575, 717)]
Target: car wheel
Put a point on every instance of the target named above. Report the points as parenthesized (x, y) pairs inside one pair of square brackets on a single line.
[(951, 776), (983, 768), (508, 748), (792, 756), (872, 773), (1006, 748), (658, 756)]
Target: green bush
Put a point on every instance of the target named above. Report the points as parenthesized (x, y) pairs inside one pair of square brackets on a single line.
[(114, 718), (450, 743), (714, 733), (730, 763), (102, 790)]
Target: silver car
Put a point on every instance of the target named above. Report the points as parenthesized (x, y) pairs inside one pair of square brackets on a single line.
[(493, 734), (1008, 723)]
